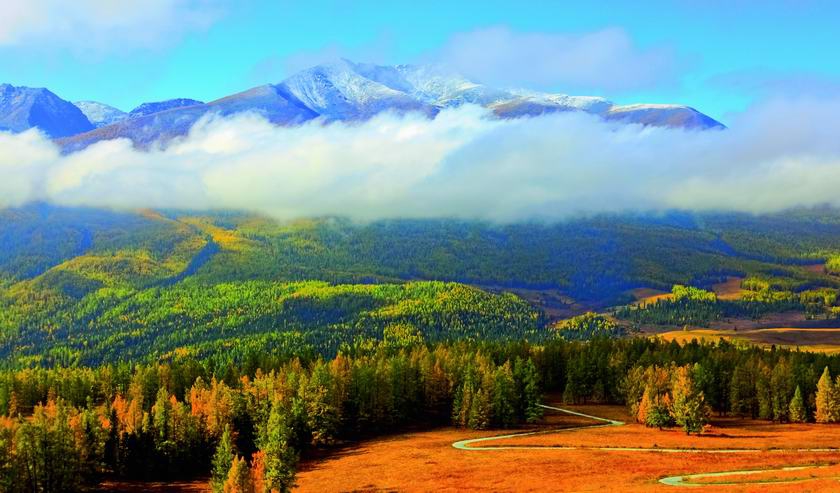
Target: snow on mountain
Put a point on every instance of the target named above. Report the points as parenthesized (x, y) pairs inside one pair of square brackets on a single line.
[(100, 114), (338, 91), (663, 115), (272, 102), (22, 108), (347, 91), (158, 106)]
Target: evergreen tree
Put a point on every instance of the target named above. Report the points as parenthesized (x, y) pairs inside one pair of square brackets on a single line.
[(479, 413), (239, 478), (781, 385), (763, 392), (222, 460), (796, 410), (644, 407), (532, 397), (826, 399), (504, 396), (280, 457), (742, 399)]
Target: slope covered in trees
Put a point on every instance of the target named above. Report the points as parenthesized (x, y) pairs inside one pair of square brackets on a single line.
[(594, 259), (193, 320), (171, 343)]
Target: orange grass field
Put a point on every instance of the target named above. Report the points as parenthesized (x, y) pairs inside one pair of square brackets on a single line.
[(426, 461), (825, 340)]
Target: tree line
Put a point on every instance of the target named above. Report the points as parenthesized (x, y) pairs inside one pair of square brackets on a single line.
[(248, 430), (249, 425)]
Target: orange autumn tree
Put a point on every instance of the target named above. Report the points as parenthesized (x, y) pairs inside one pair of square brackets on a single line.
[(239, 478), (827, 402)]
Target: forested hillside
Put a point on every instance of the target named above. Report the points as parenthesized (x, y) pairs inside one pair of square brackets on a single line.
[(594, 259), (163, 344)]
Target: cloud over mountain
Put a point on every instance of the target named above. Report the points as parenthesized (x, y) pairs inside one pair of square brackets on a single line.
[(462, 163)]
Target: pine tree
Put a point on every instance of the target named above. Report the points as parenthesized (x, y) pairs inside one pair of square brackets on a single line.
[(533, 411), (742, 392), (763, 392), (504, 396), (781, 388), (280, 457), (826, 399), (222, 460), (14, 405), (479, 413), (796, 410), (644, 407), (239, 478), (161, 412), (462, 403)]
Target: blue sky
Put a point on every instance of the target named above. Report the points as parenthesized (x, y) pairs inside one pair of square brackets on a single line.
[(717, 56)]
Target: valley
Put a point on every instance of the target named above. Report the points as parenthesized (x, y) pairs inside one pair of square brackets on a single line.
[(329, 247)]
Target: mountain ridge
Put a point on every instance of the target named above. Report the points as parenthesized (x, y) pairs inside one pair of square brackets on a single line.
[(348, 91), (22, 108)]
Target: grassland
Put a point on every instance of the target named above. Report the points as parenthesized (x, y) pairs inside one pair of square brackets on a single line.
[(824, 340), (427, 461)]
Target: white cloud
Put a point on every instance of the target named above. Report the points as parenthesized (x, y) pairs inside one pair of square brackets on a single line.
[(94, 26), (463, 163), (604, 60)]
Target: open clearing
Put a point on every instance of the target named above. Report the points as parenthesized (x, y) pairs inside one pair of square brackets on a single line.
[(427, 461), (822, 339), (727, 290)]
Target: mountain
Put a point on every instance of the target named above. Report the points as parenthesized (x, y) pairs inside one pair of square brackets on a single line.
[(100, 114), (348, 91), (663, 115), (273, 102), (339, 91), (22, 108), (158, 106)]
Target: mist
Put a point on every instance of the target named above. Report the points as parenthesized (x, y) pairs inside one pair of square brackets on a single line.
[(464, 163)]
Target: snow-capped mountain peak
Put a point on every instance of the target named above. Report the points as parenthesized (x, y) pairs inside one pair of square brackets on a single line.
[(348, 91), (339, 91), (100, 114)]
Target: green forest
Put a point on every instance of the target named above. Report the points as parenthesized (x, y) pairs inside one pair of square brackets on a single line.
[(178, 344)]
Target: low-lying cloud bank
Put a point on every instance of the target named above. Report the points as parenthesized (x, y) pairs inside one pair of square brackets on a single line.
[(461, 164)]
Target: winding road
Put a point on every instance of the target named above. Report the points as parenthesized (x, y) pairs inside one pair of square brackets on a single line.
[(683, 480)]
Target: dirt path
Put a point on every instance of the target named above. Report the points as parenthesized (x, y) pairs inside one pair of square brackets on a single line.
[(683, 480)]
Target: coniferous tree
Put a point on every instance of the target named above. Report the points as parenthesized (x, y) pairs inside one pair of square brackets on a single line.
[(532, 397), (764, 392), (239, 478), (826, 399), (222, 460), (644, 407), (504, 396), (742, 399), (796, 410), (781, 385), (479, 412), (280, 457)]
